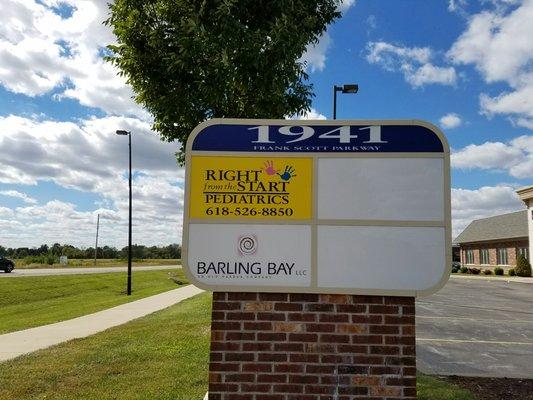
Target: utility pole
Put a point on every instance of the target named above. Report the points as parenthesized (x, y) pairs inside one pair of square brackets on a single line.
[(96, 245)]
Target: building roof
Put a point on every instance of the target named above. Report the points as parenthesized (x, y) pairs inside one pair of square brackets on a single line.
[(499, 227), (525, 193)]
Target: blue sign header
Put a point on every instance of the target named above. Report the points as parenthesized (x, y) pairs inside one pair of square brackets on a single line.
[(315, 138)]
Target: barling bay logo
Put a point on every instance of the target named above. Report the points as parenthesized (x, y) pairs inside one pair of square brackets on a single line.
[(247, 245)]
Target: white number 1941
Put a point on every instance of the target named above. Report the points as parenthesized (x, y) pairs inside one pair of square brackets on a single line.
[(343, 133)]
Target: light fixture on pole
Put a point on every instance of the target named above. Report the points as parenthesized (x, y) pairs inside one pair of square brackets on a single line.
[(128, 291), (349, 88)]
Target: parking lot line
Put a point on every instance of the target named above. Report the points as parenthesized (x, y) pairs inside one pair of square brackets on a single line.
[(472, 307), (522, 321), (472, 341)]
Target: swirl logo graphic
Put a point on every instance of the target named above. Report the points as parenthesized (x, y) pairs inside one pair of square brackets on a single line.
[(247, 245)]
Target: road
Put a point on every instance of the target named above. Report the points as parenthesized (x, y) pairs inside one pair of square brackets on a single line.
[(476, 327), (83, 270)]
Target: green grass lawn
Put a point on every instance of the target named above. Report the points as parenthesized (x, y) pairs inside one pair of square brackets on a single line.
[(430, 388), (101, 262), (162, 356), (38, 300)]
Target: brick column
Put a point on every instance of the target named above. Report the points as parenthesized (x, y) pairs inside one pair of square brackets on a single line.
[(277, 346)]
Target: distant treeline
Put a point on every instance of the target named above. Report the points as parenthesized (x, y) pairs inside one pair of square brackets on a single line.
[(138, 252)]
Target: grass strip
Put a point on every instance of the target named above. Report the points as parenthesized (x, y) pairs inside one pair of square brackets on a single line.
[(430, 388), (38, 300)]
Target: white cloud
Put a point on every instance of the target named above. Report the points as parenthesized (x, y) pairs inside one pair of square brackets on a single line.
[(40, 52), (519, 101), (5, 212), (456, 5), (372, 23), (524, 122), (88, 156), (450, 121), (18, 195), (311, 114), (414, 62), (315, 55), (514, 157), (486, 201), (345, 5), (498, 43)]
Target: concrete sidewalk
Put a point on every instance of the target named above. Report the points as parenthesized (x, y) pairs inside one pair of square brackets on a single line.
[(26, 341), (507, 279)]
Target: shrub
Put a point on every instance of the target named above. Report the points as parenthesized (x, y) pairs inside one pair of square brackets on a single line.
[(474, 271), (487, 272), (464, 270), (511, 272), (498, 271), (523, 268), (41, 259)]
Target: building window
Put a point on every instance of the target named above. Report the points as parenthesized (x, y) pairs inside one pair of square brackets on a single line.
[(523, 251), (484, 256), (502, 256), (470, 256)]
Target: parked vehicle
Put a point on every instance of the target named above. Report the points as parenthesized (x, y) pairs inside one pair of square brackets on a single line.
[(6, 264)]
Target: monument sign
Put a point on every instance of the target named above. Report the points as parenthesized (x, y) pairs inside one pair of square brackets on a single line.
[(352, 207)]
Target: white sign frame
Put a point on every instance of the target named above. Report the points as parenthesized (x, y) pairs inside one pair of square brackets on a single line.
[(314, 221)]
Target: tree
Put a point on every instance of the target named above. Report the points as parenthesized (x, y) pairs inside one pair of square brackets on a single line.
[(523, 268), (188, 61), (56, 249)]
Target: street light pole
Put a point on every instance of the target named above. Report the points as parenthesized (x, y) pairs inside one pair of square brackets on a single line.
[(129, 223), (335, 90), (349, 88), (128, 291)]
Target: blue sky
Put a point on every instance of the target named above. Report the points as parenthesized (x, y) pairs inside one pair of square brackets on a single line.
[(464, 65)]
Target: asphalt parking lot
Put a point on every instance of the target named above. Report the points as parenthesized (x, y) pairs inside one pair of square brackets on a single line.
[(476, 327)]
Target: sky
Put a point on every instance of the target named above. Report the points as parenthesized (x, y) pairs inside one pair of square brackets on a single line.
[(464, 65)]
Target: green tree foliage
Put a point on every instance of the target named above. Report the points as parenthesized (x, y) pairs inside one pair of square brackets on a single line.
[(191, 60), (45, 255), (523, 268)]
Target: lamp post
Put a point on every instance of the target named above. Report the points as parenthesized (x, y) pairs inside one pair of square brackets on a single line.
[(350, 88), (128, 291)]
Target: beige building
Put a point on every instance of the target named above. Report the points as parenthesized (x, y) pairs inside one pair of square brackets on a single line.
[(499, 240)]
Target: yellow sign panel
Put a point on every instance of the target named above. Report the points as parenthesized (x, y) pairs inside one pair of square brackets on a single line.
[(251, 187)]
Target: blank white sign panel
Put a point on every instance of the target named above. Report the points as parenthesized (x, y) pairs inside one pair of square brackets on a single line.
[(252, 255), (399, 258), (381, 188)]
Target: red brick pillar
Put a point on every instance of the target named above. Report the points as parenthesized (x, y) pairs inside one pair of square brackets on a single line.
[(277, 346)]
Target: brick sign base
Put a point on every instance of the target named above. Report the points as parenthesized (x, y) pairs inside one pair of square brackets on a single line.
[(277, 346)]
